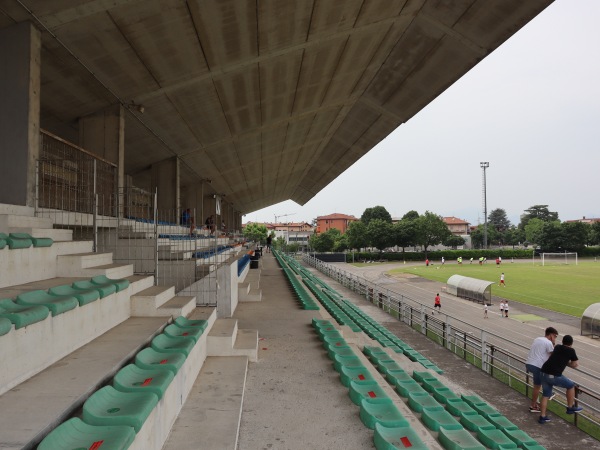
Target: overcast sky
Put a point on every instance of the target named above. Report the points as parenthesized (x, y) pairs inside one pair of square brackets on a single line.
[(531, 108)]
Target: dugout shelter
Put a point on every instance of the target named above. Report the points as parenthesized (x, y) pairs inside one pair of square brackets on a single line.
[(590, 321), (470, 288)]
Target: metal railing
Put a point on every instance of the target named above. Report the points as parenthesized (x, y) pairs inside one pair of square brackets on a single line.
[(496, 355)]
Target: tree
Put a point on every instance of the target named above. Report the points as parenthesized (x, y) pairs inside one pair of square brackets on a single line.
[(551, 237), (279, 243), (453, 241), (404, 233), (325, 242), (478, 233), (533, 230), (341, 244), (575, 235), (376, 212), (379, 234), (356, 235), (499, 220), (256, 232), (595, 234), (513, 236), (537, 212), (411, 215), (431, 230)]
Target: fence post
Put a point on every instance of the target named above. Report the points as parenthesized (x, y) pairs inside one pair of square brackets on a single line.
[(484, 361), (423, 320), (155, 216)]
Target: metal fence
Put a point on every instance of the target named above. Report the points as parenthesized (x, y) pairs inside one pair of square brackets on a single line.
[(499, 357)]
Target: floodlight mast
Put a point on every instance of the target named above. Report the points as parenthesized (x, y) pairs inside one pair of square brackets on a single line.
[(484, 166)]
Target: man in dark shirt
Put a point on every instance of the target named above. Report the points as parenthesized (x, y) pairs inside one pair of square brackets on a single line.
[(562, 357)]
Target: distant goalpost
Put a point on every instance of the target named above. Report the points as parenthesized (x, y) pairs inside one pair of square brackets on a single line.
[(559, 258)]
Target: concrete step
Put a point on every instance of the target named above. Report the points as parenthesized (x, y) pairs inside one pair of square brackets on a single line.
[(243, 288), (8, 221), (254, 295), (222, 337), (145, 303), (68, 264), (57, 234), (225, 339), (114, 271), (138, 283), (177, 306), (72, 247), (213, 408)]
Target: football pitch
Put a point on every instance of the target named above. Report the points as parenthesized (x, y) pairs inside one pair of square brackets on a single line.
[(568, 289)]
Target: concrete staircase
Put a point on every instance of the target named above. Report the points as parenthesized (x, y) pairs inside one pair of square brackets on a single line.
[(161, 301), (225, 339)]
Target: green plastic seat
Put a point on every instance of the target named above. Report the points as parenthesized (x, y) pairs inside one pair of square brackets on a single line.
[(176, 331), (318, 323), (132, 378), (5, 326), (184, 322), (387, 438), (473, 399), (444, 394), (104, 290), (520, 438), (335, 334), (394, 376), (342, 351), (418, 401), (83, 296), (108, 406), (494, 439), (359, 373), (420, 376), (405, 387), (101, 280), (338, 342), (486, 410), (365, 389), (347, 361), (36, 241), (381, 410), (22, 315), (431, 385), (386, 365), (436, 418), (3, 243), (56, 305), (473, 421), (457, 406), (459, 439), (149, 358), (167, 344), (75, 434), (501, 422), (16, 243)]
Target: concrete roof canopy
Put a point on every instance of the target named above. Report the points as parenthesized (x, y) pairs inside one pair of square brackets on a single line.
[(271, 100)]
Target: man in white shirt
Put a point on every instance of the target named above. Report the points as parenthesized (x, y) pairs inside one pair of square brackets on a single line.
[(540, 351)]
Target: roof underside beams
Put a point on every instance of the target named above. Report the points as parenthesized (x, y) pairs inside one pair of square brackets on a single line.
[(271, 100)]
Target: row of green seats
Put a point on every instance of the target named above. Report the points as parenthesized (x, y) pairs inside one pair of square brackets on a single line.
[(34, 306), (377, 410), (113, 415), (306, 301), (23, 240)]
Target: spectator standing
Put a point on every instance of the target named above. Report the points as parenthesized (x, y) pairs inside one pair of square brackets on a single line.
[(485, 310), (562, 357), (269, 241), (501, 308), (506, 308), (539, 352)]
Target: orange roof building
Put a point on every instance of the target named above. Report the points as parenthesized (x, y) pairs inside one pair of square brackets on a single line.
[(457, 226), (335, 220)]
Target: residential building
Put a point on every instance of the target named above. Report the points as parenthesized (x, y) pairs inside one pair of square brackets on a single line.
[(588, 220), (457, 226), (335, 220)]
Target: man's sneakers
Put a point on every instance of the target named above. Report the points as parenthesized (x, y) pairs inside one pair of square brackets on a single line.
[(535, 409), (543, 419), (574, 409)]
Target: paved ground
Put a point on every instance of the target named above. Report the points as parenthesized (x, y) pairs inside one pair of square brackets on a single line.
[(294, 399)]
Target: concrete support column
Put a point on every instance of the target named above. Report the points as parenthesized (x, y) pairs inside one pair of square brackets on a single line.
[(103, 134), (165, 178), (20, 61)]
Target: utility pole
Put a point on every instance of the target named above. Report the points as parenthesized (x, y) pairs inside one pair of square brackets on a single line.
[(484, 166)]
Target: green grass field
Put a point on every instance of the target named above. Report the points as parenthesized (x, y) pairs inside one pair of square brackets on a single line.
[(568, 289)]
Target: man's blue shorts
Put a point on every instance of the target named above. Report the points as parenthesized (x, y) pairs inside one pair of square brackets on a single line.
[(549, 381), (536, 372)]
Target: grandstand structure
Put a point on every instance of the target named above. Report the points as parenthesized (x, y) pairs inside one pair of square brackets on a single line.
[(134, 135)]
